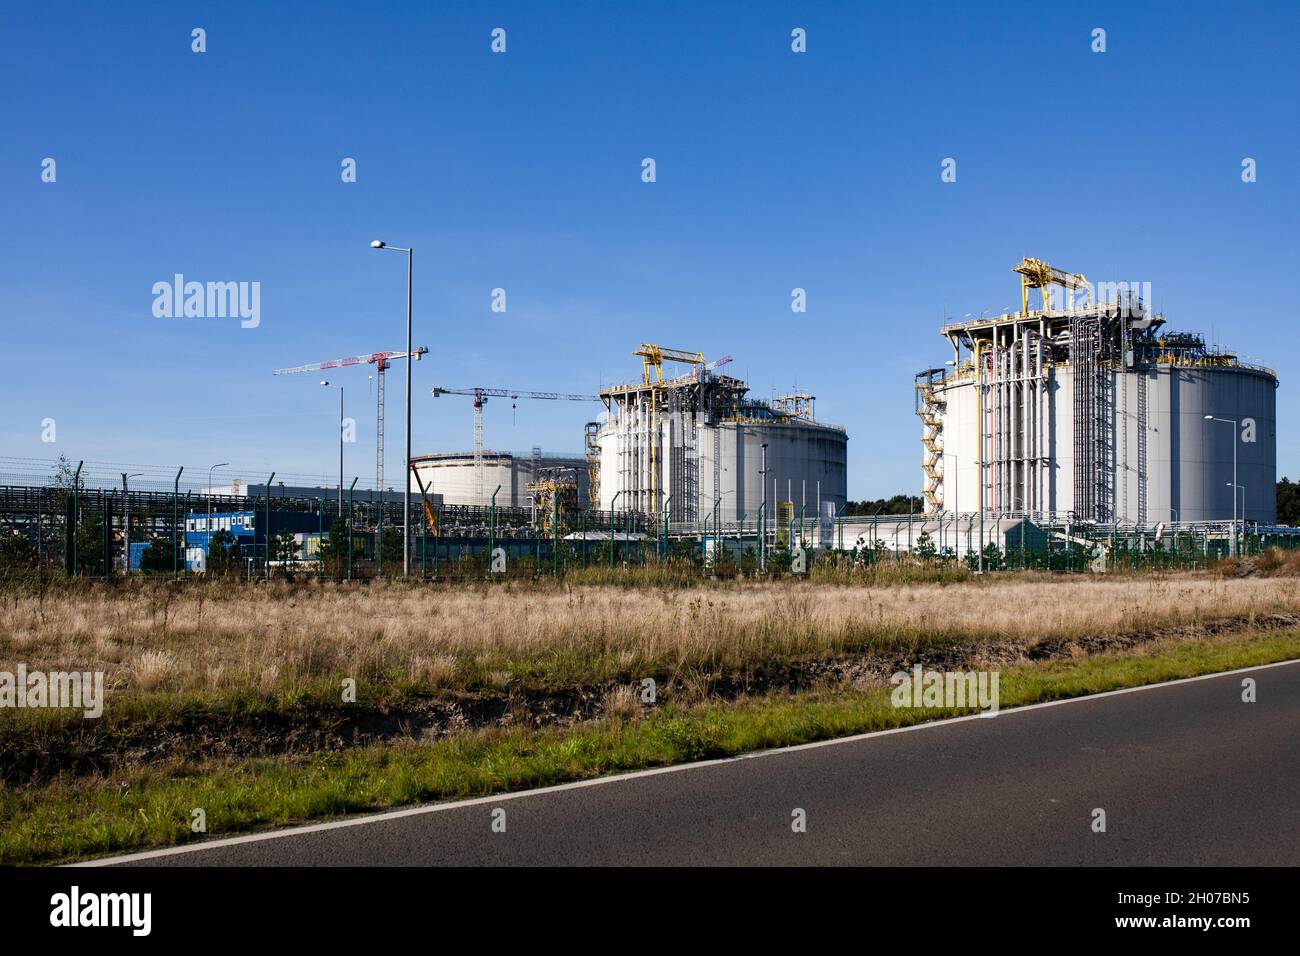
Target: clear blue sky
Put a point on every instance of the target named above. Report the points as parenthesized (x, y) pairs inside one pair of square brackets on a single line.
[(522, 171)]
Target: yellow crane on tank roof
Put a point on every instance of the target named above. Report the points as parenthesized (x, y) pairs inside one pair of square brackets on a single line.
[(1037, 274)]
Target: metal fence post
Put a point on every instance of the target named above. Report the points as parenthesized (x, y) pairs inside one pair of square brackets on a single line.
[(176, 495), (351, 512), (492, 530), (611, 528), (74, 522), (268, 525)]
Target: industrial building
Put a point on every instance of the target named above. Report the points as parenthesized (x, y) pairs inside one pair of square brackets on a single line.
[(258, 490), (1094, 412), (697, 448), (248, 531), (470, 478)]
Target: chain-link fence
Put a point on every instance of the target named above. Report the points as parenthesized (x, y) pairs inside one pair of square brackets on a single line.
[(103, 519)]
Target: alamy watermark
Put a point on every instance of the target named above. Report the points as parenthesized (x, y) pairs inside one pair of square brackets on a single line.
[(1131, 300), (74, 690), (74, 908), (208, 300), (946, 689)]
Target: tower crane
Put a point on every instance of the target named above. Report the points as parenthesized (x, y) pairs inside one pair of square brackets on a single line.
[(381, 361), (1036, 274), (481, 395)]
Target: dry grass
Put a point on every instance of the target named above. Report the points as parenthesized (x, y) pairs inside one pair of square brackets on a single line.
[(270, 640), (1274, 562)]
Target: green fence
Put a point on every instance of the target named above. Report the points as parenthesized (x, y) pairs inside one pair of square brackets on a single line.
[(70, 529)]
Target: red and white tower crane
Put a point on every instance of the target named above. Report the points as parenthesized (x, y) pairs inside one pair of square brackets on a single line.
[(381, 361)]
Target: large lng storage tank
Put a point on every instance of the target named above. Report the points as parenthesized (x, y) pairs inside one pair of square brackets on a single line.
[(459, 476), (1095, 412), (695, 444)]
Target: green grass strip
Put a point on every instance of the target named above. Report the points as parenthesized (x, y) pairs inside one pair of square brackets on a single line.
[(151, 806)]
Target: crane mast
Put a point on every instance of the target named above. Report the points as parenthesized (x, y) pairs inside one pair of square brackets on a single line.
[(481, 395), (381, 361)]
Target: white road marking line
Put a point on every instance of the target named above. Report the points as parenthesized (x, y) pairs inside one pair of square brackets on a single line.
[(637, 774)]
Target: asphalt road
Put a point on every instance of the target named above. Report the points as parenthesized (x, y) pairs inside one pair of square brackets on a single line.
[(1187, 774)]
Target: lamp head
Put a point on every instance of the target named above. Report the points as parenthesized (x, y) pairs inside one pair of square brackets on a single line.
[(377, 244)]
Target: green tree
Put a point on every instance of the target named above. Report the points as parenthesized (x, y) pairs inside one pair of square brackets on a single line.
[(992, 556), (90, 544), (334, 550), (222, 553), (682, 550), (1288, 501), (390, 546), (779, 558), (285, 549), (16, 551), (897, 505), (160, 553), (925, 547)]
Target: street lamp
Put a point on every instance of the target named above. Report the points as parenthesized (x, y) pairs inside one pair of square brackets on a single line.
[(1233, 423), (126, 522), (325, 383), (222, 464), (1243, 503), (406, 481), (764, 516)]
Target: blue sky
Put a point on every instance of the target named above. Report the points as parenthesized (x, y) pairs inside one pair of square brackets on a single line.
[(522, 170)]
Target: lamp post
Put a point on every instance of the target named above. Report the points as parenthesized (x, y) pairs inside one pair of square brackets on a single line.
[(406, 481), (208, 549), (717, 529), (1243, 506), (1233, 423), (126, 522), (762, 509), (325, 384)]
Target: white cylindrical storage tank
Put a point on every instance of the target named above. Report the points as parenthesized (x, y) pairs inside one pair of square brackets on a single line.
[(453, 475), (807, 462), (1185, 471)]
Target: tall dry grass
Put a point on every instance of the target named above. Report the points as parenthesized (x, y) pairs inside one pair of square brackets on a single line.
[(270, 639)]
